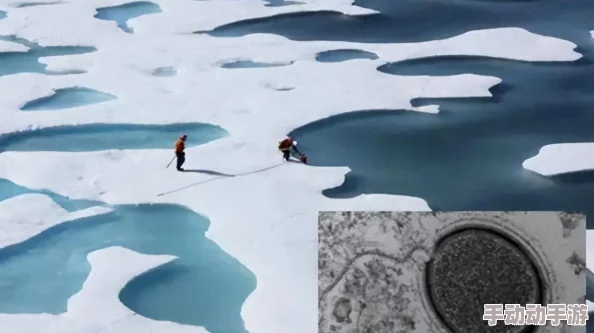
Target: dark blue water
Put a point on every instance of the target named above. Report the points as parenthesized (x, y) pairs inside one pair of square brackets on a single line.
[(96, 137), (28, 62), (475, 145), (204, 287), (421, 20), (121, 14), (68, 98), (344, 55), (468, 157)]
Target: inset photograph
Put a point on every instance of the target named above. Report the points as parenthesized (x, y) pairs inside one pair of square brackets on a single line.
[(452, 272)]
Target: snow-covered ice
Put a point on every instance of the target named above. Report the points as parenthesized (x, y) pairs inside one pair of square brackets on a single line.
[(6, 46), (19, 222), (562, 158), (266, 220)]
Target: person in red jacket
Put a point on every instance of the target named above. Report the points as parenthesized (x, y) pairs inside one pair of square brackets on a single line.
[(180, 146), (285, 147)]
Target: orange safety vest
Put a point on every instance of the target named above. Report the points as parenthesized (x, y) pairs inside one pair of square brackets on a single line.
[(179, 146), (285, 145)]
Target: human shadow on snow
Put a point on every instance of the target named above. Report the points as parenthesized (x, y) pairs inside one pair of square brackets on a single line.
[(209, 172), (218, 175)]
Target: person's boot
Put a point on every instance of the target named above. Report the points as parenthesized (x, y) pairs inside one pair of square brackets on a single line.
[(180, 169)]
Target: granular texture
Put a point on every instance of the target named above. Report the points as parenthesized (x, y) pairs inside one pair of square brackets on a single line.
[(474, 267)]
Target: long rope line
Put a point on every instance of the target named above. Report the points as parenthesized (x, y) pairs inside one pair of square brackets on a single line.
[(220, 176)]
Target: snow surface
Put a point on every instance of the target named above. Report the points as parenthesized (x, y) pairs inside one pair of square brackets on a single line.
[(199, 58), (175, 18), (562, 158), (262, 217), (18, 221), (6, 46)]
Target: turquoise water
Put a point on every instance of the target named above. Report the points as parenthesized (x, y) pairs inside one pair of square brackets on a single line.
[(252, 64), (28, 62), (344, 55), (96, 137), (68, 98), (205, 286), (121, 14)]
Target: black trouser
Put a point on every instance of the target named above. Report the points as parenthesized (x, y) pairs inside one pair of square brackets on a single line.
[(287, 153), (181, 158)]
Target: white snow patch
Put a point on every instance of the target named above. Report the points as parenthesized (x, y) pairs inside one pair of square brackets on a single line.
[(7, 46), (207, 98), (177, 16), (98, 301), (206, 52), (19, 221), (432, 108), (508, 43), (109, 175), (562, 158), (195, 89)]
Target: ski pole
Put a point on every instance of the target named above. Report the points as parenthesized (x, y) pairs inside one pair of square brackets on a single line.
[(170, 162)]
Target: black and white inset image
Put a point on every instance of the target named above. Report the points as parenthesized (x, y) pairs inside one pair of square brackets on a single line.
[(386, 272)]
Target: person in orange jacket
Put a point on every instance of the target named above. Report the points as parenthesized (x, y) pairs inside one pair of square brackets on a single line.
[(180, 146), (285, 147)]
